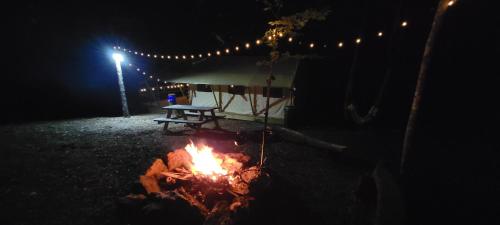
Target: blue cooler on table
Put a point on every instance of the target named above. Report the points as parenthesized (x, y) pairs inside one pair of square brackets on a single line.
[(171, 99)]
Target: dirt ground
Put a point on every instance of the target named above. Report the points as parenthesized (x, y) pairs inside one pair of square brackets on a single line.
[(73, 171)]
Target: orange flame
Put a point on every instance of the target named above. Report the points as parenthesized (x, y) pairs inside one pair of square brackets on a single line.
[(205, 162)]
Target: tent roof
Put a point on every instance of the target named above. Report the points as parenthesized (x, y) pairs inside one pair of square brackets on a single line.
[(237, 70)]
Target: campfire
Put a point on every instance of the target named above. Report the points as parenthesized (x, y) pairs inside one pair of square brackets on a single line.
[(217, 185)]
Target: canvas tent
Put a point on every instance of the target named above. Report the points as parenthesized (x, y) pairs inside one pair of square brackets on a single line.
[(236, 85)]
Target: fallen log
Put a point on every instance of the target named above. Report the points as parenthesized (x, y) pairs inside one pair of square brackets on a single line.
[(295, 136)]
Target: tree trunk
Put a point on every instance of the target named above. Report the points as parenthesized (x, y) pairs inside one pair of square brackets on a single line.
[(422, 76)]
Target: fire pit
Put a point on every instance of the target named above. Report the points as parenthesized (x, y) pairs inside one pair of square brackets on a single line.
[(217, 185)]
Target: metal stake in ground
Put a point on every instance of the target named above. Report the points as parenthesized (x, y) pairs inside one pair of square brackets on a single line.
[(118, 59)]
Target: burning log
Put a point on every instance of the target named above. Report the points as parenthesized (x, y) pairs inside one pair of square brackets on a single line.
[(216, 184)]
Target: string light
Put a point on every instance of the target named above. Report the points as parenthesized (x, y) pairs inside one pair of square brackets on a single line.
[(247, 45), (138, 69), (143, 73), (158, 79), (130, 64), (150, 77), (152, 89), (451, 3)]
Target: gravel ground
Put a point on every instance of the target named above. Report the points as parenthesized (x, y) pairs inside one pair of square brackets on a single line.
[(73, 171)]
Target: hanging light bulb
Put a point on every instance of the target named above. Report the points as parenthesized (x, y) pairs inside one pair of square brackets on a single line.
[(152, 89), (130, 64), (227, 50), (161, 87), (311, 45), (168, 57), (451, 3), (164, 82), (358, 40), (114, 47), (155, 56), (176, 57), (158, 79), (192, 56), (237, 48), (280, 34), (150, 77), (200, 55), (269, 38), (149, 55), (183, 56), (290, 39), (404, 24), (138, 69), (135, 53), (257, 42), (142, 54), (247, 45), (162, 57), (380, 34), (118, 47), (217, 52), (209, 54), (143, 73), (340, 44), (187, 85)]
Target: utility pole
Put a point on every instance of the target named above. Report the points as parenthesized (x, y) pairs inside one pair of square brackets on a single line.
[(118, 59)]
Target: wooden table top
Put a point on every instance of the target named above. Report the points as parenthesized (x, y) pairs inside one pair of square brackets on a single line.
[(189, 107)]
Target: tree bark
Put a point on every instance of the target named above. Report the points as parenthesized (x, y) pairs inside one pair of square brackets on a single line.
[(422, 76)]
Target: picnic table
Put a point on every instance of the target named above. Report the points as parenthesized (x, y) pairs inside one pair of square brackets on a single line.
[(183, 111)]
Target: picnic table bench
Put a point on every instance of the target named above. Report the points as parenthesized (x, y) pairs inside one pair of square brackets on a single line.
[(183, 111)]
